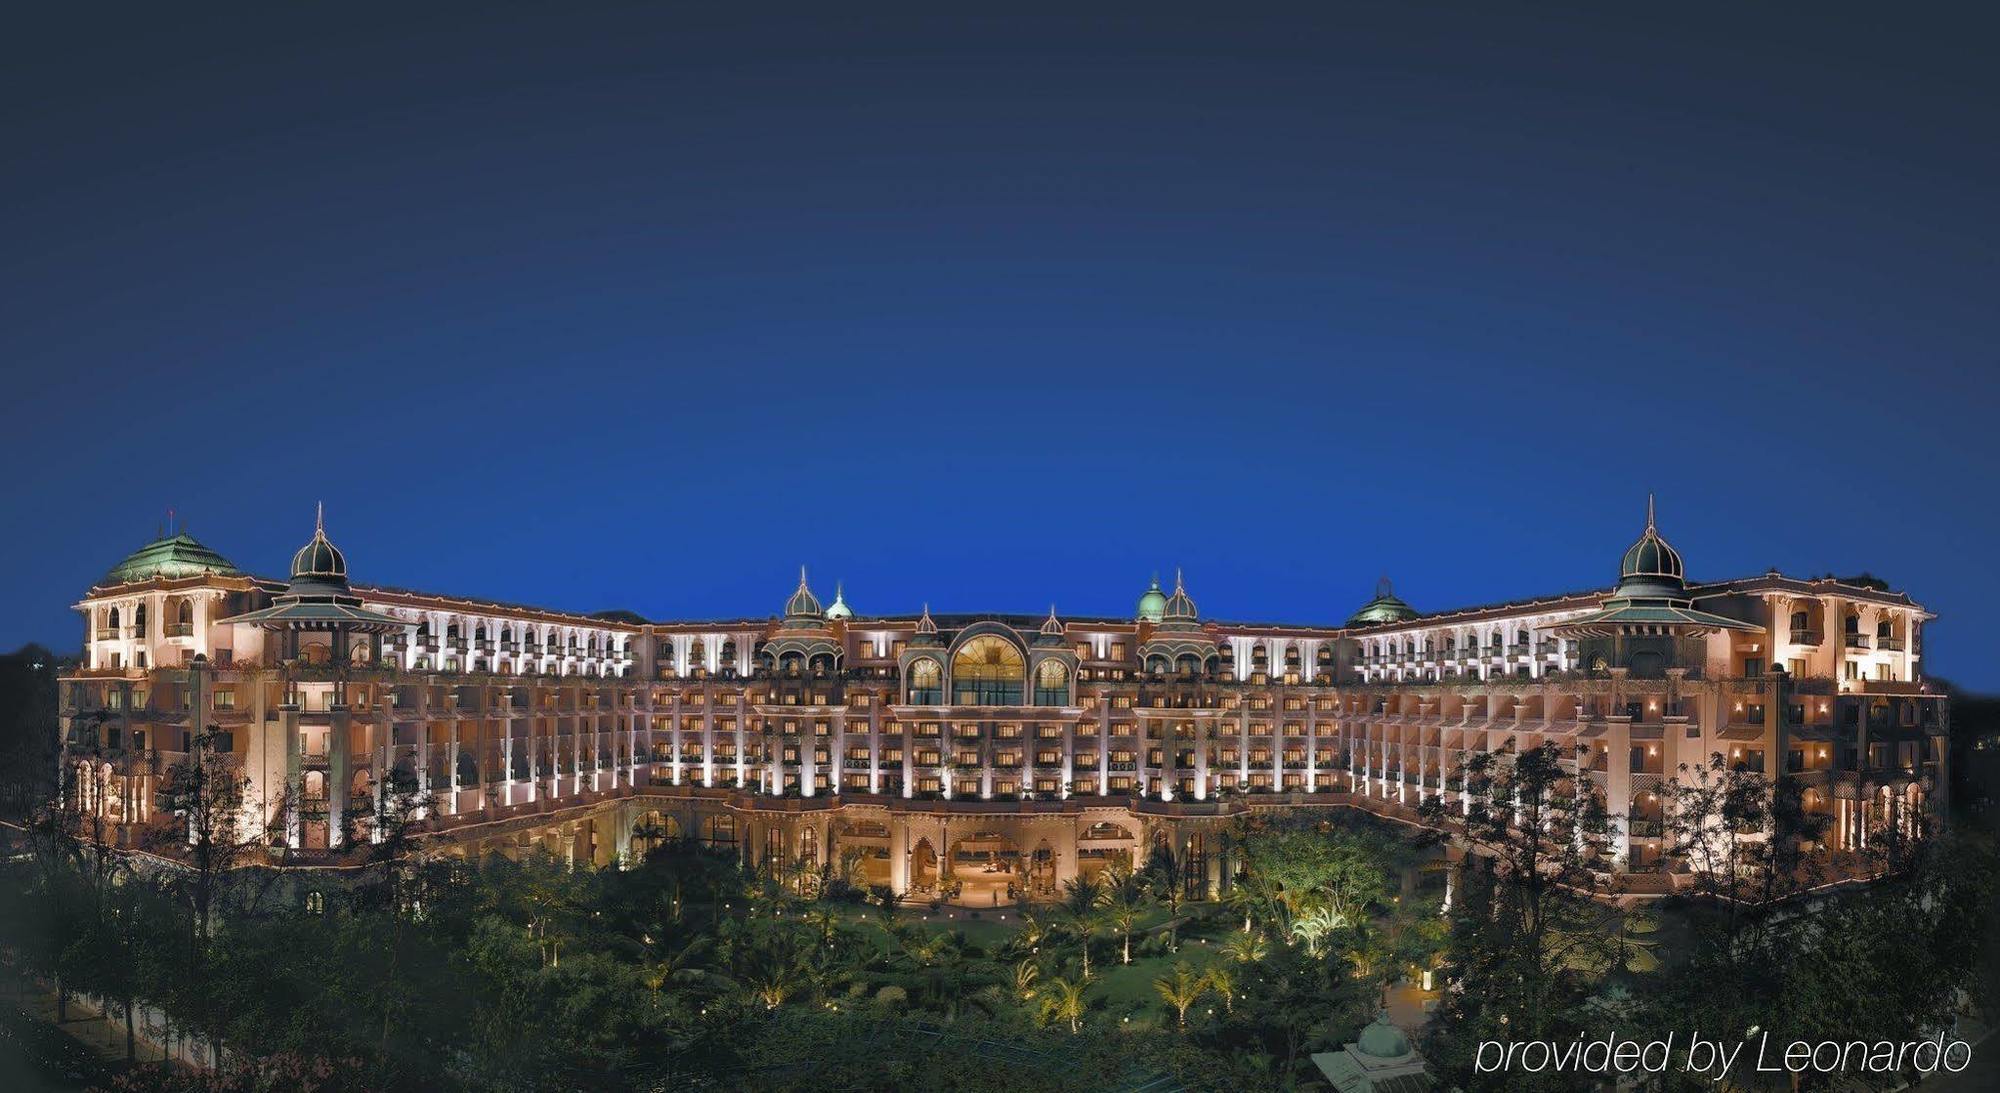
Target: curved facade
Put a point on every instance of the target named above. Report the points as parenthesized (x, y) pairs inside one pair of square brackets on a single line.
[(985, 758)]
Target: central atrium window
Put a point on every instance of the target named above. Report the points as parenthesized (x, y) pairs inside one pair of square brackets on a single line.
[(1051, 684), (926, 683), (987, 671)]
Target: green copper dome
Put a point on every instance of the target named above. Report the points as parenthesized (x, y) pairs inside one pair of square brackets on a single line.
[(1382, 1039), (1153, 604), (176, 555), (1385, 607), (839, 609)]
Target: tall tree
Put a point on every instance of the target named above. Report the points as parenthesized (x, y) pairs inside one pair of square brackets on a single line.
[(1526, 933)]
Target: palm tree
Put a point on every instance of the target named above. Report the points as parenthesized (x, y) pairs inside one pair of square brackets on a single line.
[(1082, 913), (1164, 870), (1063, 1001), (1251, 895), (1025, 974), (1246, 948), (773, 975), (823, 917), (1036, 926), (882, 901), (1124, 903), (1182, 990), (1223, 982), (1313, 926)]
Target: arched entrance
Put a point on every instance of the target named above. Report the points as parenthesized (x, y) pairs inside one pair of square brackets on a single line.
[(986, 869), (651, 831), (860, 848), (1104, 846), (923, 867)]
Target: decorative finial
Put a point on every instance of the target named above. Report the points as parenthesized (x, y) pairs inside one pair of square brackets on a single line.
[(319, 520), (1383, 588), (1178, 587), (1649, 510)]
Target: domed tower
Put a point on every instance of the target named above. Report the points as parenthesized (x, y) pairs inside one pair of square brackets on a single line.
[(838, 609), (1178, 612), (1179, 643), (804, 644), (1385, 607), (1651, 568), (1649, 623), (172, 557), (319, 569), (314, 625), (802, 610), (1152, 604)]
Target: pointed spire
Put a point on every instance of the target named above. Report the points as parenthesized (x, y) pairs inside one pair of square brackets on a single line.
[(925, 624), (319, 519), (803, 603), (1649, 511), (1178, 586)]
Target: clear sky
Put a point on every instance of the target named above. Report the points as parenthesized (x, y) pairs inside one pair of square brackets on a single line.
[(644, 307)]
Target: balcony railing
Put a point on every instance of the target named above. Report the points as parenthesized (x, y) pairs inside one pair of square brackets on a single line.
[(1857, 641), (1893, 645), (1805, 637), (180, 629)]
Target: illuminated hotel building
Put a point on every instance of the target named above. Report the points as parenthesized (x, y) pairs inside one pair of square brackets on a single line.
[(994, 756)]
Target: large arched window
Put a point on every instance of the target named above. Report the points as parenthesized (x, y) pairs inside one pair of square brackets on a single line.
[(1051, 684), (987, 671), (926, 683)]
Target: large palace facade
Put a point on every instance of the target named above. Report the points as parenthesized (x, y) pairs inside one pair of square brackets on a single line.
[(987, 758)]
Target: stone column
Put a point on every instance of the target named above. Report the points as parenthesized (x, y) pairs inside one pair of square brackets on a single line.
[(899, 854), (336, 776), (1618, 788), (288, 728), (1201, 744)]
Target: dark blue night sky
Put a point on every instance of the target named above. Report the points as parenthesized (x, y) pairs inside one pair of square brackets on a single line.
[(644, 307)]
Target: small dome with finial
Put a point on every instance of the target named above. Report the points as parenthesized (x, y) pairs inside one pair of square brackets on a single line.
[(803, 603), (839, 609), (1652, 556), (1385, 607), (927, 629), (319, 559), (1153, 603), (1179, 607), (1051, 632), (1651, 568)]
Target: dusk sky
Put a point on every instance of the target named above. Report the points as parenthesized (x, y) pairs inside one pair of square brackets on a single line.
[(646, 306)]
